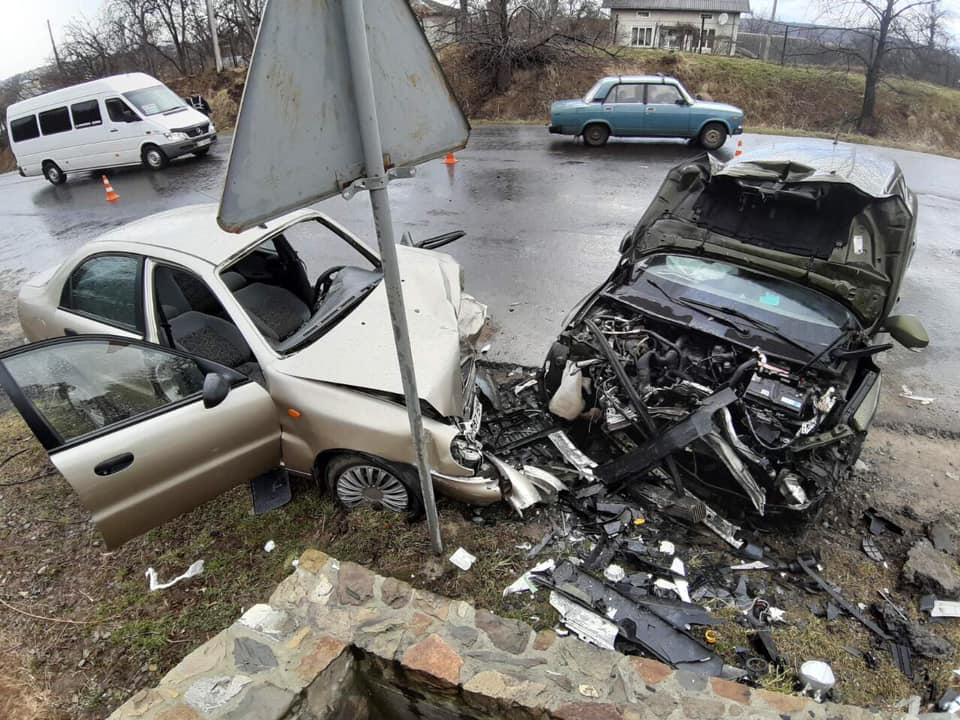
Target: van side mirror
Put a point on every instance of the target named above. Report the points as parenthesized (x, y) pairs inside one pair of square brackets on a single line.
[(215, 389), (908, 331)]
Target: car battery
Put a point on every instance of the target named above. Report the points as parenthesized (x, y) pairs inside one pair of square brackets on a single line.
[(775, 394)]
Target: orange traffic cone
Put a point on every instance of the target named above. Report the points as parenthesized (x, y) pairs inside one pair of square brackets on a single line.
[(449, 159), (111, 195), (739, 151)]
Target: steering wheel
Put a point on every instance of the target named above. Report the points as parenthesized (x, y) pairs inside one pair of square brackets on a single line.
[(322, 285)]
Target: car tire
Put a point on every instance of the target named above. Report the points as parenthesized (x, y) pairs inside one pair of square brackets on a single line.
[(201, 152), (154, 158), (357, 481), (713, 135), (53, 173), (596, 135)]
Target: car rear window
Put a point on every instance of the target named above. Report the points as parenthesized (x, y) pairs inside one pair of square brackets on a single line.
[(55, 121), (24, 128)]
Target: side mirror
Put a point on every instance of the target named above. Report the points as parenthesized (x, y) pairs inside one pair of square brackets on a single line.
[(679, 101), (908, 331), (215, 389)]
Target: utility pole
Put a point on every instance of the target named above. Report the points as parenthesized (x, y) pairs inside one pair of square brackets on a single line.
[(703, 20), (56, 55), (773, 13), (783, 51), (213, 36)]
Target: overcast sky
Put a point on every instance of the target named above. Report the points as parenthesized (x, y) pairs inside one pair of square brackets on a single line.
[(24, 43)]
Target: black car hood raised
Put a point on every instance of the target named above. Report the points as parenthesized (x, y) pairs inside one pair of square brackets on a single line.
[(832, 230)]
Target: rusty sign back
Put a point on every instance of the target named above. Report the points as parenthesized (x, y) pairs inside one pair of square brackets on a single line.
[(297, 139)]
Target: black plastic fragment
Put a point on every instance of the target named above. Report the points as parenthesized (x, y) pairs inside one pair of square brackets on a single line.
[(763, 641), (270, 491)]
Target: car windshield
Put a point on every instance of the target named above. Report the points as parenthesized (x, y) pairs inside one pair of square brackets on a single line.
[(154, 100), (592, 91), (800, 313), (298, 284)]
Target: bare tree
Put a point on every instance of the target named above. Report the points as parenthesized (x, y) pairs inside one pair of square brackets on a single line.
[(885, 24)]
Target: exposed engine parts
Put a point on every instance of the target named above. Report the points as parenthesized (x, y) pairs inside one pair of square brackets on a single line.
[(687, 409)]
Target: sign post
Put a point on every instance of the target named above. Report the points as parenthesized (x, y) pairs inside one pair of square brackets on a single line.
[(310, 128), (376, 184)]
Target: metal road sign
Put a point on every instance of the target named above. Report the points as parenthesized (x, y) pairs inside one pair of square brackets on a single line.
[(338, 89), (298, 134)]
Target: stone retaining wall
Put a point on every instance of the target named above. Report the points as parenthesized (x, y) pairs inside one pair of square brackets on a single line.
[(337, 642)]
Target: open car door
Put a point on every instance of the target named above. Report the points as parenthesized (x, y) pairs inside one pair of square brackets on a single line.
[(143, 433)]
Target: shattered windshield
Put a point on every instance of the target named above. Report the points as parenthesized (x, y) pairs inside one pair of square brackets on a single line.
[(798, 312), (299, 283)]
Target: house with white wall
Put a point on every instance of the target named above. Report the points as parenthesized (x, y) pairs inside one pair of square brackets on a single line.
[(439, 21), (705, 26)]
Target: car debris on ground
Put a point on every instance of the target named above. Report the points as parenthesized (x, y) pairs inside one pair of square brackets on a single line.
[(643, 568)]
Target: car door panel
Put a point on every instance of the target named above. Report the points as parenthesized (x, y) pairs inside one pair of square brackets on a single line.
[(66, 322), (188, 456), (623, 109), (126, 424), (663, 117)]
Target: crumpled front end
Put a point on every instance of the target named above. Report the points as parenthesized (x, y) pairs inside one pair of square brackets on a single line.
[(658, 404)]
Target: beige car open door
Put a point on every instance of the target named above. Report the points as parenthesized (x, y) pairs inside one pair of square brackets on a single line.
[(143, 433)]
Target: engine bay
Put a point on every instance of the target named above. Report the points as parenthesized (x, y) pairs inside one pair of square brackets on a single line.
[(682, 407)]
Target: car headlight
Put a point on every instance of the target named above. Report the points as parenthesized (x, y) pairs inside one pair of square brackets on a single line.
[(175, 136), (466, 452)]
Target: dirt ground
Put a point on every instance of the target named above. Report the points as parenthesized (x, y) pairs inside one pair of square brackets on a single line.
[(79, 631)]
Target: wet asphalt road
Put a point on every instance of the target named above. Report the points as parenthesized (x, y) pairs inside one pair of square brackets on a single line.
[(544, 217)]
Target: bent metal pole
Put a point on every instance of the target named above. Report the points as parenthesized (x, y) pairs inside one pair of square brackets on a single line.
[(376, 183)]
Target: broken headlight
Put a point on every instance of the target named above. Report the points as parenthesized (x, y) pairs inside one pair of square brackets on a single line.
[(466, 452)]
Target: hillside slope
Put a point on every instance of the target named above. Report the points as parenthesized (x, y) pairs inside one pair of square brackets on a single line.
[(787, 100), (784, 99)]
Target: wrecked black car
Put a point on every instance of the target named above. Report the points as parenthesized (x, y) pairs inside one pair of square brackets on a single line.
[(731, 353)]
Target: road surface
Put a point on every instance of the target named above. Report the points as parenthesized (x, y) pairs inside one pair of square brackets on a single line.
[(544, 217)]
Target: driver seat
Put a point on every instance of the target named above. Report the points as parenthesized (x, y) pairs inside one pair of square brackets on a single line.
[(276, 311)]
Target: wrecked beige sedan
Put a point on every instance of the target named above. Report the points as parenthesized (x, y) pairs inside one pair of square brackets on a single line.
[(177, 361)]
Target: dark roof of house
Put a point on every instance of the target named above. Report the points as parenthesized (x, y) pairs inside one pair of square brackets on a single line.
[(727, 6), (426, 8)]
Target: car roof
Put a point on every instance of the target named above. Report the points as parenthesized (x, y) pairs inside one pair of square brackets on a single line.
[(819, 161), (642, 79), (114, 83), (193, 230)]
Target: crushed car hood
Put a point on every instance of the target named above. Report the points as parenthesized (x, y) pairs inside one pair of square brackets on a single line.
[(359, 351), (835, 220)]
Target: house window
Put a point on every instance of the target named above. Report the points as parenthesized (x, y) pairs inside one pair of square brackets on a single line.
[(708, 39), (641, 37), (643, 13)]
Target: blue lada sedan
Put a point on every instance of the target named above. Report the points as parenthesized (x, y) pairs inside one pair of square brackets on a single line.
[(644, 106)]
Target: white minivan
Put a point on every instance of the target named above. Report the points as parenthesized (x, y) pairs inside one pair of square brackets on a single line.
[(118, 120)]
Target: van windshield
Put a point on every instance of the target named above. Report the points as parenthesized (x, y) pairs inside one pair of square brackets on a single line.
[(154, 100)]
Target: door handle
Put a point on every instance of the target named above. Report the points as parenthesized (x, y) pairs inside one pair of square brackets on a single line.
[(608, 108), (114, 130), (114, 464), (651, 109), (69, 331)]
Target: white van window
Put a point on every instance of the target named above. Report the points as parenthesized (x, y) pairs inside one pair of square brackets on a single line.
[(55, 121), (86, 114), (24, 128), (119, 111), (154, 100)]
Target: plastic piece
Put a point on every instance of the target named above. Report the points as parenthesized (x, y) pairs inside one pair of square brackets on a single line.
[(462, 559), (817, 678), (192, 571)]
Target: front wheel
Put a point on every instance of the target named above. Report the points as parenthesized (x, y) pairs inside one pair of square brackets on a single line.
[(713, 136), (596, 135), (53, 173), (154, 158), (358, 481)]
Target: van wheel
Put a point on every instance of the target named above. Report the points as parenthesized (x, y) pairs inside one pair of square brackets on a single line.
[(713, 136), (596, 135), (154, 158), (358, 481), (201, 152), (53, 173)]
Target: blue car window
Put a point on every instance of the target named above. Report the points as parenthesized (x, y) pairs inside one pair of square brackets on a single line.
[(662, 95), (626, 94)]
